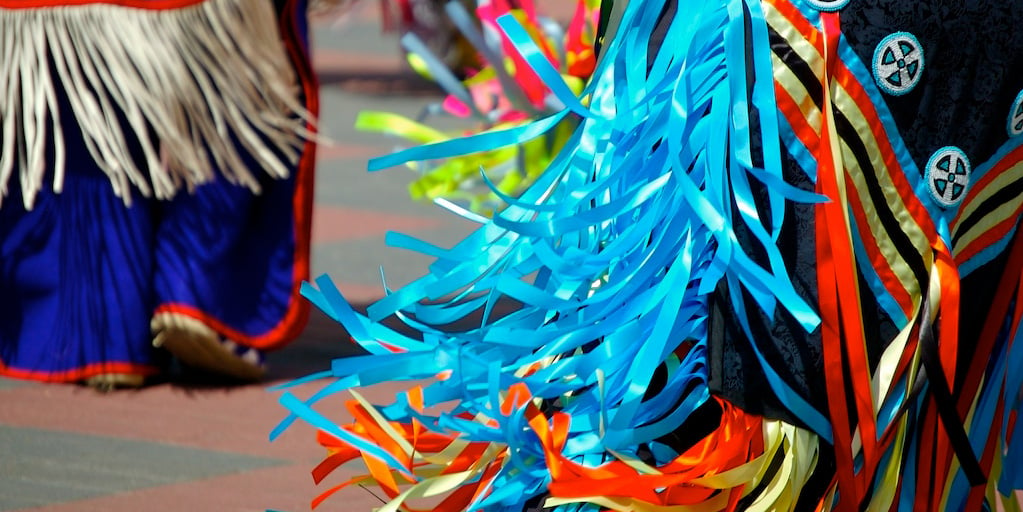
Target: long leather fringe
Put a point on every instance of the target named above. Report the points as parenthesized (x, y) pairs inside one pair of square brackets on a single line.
[(191, 90)]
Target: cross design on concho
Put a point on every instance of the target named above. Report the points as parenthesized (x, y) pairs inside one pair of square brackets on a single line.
[(949, 175), (898, 63)]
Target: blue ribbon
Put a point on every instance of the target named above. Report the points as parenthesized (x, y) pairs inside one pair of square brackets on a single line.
[(611, 255)]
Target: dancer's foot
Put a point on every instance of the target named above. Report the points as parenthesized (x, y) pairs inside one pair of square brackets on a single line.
[(197, 345), (106, 382)]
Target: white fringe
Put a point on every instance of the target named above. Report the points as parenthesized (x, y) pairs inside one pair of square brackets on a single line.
[(332, 8), (196, 85)]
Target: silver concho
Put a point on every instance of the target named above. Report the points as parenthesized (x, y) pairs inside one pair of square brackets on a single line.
[(1015, 121), (898, 63), (948, 176), (827, 5)]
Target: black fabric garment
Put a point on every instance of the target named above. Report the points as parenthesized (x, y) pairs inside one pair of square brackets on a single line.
[(972, 75), (973, 53), (970, 79)]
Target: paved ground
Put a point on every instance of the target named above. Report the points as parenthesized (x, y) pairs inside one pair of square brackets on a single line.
[(196, 446)]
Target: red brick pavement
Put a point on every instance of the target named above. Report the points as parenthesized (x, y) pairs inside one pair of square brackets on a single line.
[(228, 420)]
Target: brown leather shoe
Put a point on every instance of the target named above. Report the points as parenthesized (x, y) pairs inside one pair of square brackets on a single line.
[(197, 345), (107, 382)]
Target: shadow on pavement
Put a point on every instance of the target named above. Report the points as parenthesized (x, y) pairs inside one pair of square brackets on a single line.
[(322, 341), (403, 83)]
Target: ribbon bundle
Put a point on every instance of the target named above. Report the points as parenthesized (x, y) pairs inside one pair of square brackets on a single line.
[(582, 381), (578, 395)]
